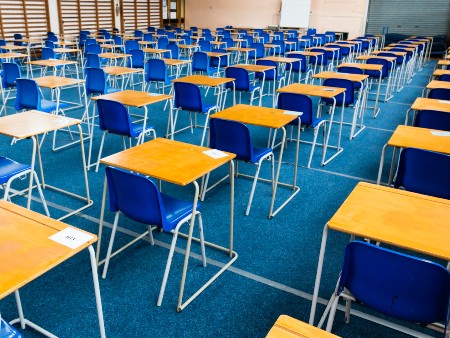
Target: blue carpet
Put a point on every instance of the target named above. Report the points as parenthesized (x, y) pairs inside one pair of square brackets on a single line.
[(277, 258)]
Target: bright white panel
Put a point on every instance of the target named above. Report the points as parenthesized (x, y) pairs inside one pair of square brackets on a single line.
[(295, 13)]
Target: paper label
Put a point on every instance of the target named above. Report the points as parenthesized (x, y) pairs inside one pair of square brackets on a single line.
[(441, 133), (328, 89), (291, 112), (154, 94), (444, 101), (214, 153), (71, 237)]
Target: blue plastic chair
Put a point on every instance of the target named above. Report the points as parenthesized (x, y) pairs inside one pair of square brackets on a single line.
[(424, 172), (201, 64), (138, 198), (138, 33), (445, 77), (302, 103), (189, 98), (432, 119), (174, 51), (29, 97), (299, 67), (131, 44), (205, 46), (8, 331), (11, 72), (234, 137), (94, 48), (18, 36), (156, 72), (162, 42), (439, 94), (398, 285), (93, 61), (241, 84), (115, 119), (258, 53), (137, 61), (96, 82), (270, 76)]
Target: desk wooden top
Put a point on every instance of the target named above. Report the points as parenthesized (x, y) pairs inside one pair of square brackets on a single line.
[(422, 138), (397, 217), (67, 50), (239, 49), (134, 98), (51, 63), (256, 115), (363, 66), (32, 122), (66, 43), (444, 62), (345, 76), (13, 55), (175, 62), (147, 42), (155, 50), (280, 59), (313, 90), (187, 46), (203, 80), (216, 54), (288, 327), (13, 47), (438, 84), (367, 57), (409, 49), (56, 81), (306, 53), (439, 72), (111, 46), (113, 55), (253, 68), (423, 103), (26, 252), (119, 70), (168, 160)]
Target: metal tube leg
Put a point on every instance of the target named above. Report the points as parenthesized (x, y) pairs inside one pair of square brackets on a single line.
[(111, 242), (98, 299), (167, 269), (20, 310)]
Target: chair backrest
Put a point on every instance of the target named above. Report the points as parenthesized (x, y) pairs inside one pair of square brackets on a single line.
[(350, 70), (187, 97), (136, 196), (424, 172), (322, 59), (297, 102), (2, 42), (155, 70), (11, 72), (95, 81), (439, 94), (93, 60), (298, 66), (28, 96), (49, 44), (214, 61), (241, 82), (445, 77), (117, 40), (47, 53), (174, 51), (90, 41), (160, 31), (270, 75), (131, 44), (341, 83), (137, 58), (378, 61), (52, 38), (228, 42), (107, 35), (94, 48), (398, 285), (148, 37), (205, 46), (162, 42), (248, 40), (171, 35), (282, 47), (113, 117), (260, 51), (200, 62), (18, 36), (278, 36), (432, 119), (230, 136), (265, 37), (138, 33), (293, 33), (151, 29)]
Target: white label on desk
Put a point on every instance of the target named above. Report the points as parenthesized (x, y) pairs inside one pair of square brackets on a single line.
[(444, 101), (291, 112), (154, 94), (71, 237), (441, 133), (214, 153), (329, 89)]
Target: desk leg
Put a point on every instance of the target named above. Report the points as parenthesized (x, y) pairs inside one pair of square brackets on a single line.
[(33, 161), (100, 224), (338, 148), (375, 108), (318, 275), (380, 169), (98, 299)]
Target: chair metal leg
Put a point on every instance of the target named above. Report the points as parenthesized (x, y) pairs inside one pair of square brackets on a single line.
[(100, 151), (111, 242), (332, 314)]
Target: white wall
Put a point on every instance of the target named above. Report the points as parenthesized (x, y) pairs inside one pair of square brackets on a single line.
[(333, 15)]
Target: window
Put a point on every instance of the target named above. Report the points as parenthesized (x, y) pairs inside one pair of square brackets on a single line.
[(28, 17), (139, 14), (76, 15)]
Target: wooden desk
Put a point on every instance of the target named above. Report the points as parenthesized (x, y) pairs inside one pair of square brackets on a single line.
[(440, 72), (26, 252), (269, 118), (119, 71), (288, 327), (438, 84), (240, 50), (65, 51), (444, 63), (10, 55), (113, 57), (178, 64), (283, 60), (395, 217), (359, 78), (181, 164), (51, 64), (30, 124), (159, 52), (326, 92), (413, 137), (422, 103), (377, 68)]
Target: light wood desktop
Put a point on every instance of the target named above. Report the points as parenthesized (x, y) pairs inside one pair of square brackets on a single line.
[(120, 71), (113, 57), (30, 124), (358, 78), (444, 63), (240, 50), (269, 118), (423, 103), (51, 64), (26, 253), (440, 72), (395, 217), (288, 327), (413, 137), (326, 92), (181, 164)]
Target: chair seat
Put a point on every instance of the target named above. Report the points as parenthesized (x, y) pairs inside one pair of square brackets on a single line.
[(258, 153), (136, 129), (169, 79), (252, 88), (176, 210), (9, 168), (206, 107), (314, 123), (49, 106)]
